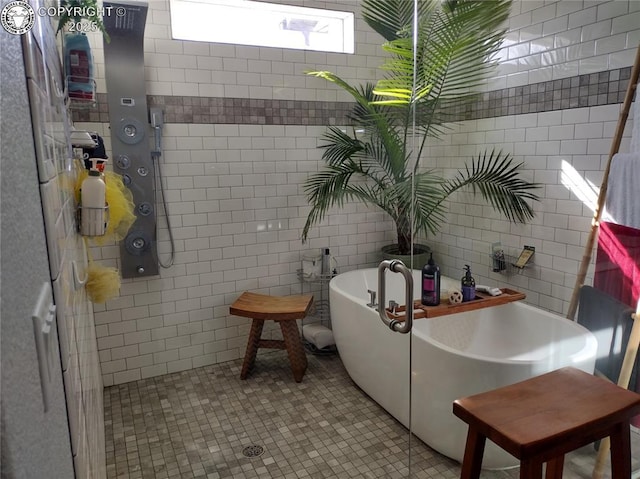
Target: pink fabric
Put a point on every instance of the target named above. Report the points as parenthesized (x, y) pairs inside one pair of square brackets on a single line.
[(618, 270), (618, 263)]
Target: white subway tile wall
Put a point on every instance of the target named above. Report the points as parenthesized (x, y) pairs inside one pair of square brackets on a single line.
[(237, 209), (556, 40), (570, 173), (235, 194), (185, 68)]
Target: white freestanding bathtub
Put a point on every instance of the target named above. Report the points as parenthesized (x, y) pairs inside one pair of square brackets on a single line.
[(451, 356)]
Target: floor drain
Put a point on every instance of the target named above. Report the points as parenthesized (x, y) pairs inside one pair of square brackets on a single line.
[(253, 451)]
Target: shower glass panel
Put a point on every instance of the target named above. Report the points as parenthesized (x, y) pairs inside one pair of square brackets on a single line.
[(380, 138), (413, 164), (391, 134)]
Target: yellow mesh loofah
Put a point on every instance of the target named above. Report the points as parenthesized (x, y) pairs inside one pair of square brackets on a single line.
[(121, 205), (103, 282)]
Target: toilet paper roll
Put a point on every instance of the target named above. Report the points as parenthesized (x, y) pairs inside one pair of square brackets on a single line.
[(318, 335)]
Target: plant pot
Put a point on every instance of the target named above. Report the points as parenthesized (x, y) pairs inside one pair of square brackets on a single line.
[(421, 255)]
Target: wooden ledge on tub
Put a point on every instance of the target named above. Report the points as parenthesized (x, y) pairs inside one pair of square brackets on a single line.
[(482, 300)]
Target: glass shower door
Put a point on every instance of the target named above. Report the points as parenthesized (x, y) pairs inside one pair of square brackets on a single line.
[(399, 279)]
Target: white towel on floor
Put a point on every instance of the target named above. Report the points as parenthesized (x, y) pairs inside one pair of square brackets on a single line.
[(318, 335)]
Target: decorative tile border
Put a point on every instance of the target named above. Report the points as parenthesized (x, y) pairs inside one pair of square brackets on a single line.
[(244, 111), (594, 89)]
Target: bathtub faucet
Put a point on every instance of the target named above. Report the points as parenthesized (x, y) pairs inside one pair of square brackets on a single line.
[(393, 306), (372, 303)]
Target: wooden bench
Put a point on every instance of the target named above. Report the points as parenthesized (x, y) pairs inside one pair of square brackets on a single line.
[(284, 310), (541, 419)]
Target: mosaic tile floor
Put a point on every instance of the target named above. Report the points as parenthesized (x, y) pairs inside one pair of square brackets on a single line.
[(195, 424)]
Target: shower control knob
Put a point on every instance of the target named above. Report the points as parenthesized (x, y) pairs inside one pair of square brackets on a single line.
[(142, 171), (138, 243), (140, 269), (145, 209), (126, 179), (123, 162), (130, 131)]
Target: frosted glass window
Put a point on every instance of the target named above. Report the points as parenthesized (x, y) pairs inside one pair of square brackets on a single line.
[(246, 22)]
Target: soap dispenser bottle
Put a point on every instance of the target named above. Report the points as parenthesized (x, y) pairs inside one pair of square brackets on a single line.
[(431, 283), (93, 202), (468, 285)]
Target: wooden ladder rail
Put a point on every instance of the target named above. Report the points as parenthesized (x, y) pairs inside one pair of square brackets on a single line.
[(595, 222)]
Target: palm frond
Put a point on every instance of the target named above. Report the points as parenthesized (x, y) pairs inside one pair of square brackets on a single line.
[(496, 178), (324, 190), (427, 213), (368, 114), (419, 199), (369, 156), (393, 18), (452, 58), (377, 195), (384, 129), (333, 186), (340, 146)]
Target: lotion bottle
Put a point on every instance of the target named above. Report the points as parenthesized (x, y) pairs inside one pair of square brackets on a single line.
[(92, 201), (468, 285), (326, 261), (431, 283)]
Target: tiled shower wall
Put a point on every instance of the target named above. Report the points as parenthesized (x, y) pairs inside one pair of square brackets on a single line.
[(554, 106), (234, 171), (565, 151), (237, 146)]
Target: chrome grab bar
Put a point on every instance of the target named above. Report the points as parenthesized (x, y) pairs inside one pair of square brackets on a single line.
[(396, 266)]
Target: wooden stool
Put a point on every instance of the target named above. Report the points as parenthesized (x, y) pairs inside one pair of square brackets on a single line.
[(284, 310), (541, 419)]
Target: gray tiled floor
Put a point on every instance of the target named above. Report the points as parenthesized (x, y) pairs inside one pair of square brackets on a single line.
[(195, 424)]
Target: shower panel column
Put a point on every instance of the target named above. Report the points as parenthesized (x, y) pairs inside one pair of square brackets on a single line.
[(129, 123)]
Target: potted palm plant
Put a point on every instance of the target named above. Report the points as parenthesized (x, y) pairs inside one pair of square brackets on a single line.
[(377, 161)]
